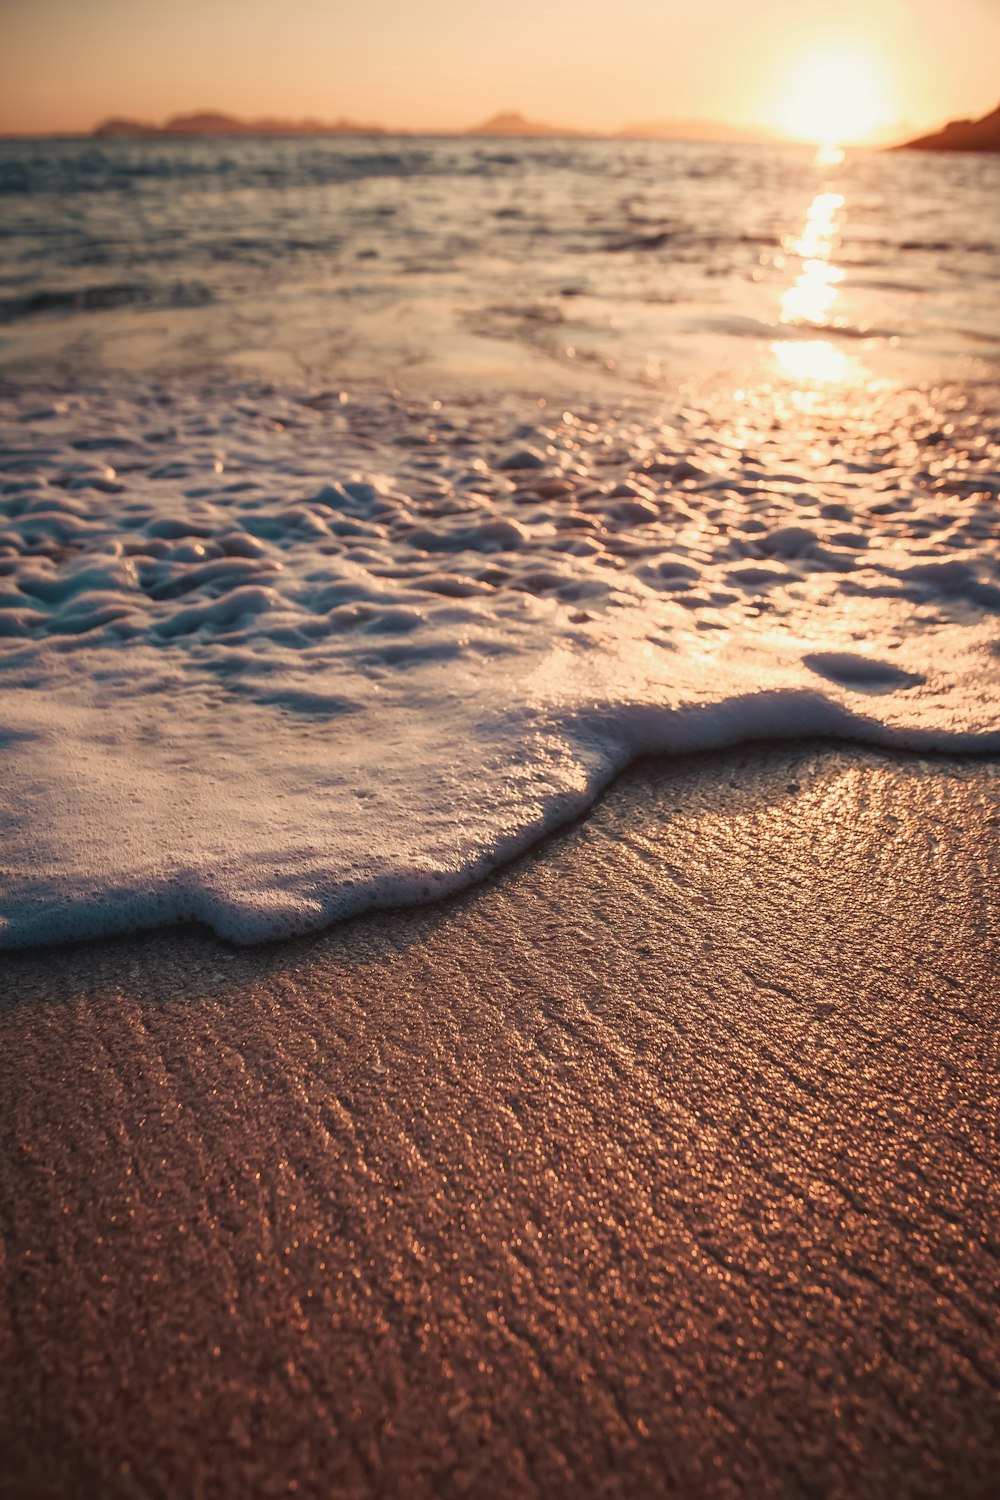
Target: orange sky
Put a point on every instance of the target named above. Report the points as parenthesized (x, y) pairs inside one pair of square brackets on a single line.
[(65, 64)]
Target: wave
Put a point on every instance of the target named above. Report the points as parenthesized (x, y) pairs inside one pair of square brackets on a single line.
[(267, 662), (29, 169), (737, 325), (101, 297)]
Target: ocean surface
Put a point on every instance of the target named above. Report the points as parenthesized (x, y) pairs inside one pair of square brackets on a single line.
[(365, 505), (361, 258)]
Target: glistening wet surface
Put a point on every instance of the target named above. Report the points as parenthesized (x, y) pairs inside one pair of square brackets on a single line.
[(661, 1162), (271, 657), (527, 263)]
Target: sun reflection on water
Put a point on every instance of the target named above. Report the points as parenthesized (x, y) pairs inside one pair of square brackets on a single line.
[(819, 233), (828, 156), (812, 359), (815, 290), (812, 296), (808, 303)]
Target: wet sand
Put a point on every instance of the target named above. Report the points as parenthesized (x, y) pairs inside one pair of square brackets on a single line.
[(663, 1163)]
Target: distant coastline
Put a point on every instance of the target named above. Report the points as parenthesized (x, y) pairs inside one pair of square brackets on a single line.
[(980, 135), (506, 123), (213, 122)]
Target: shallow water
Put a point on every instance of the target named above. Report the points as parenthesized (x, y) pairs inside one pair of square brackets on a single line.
[(539, 262), (276, 650)]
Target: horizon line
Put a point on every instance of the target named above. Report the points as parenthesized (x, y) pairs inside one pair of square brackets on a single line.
[(507, 123)]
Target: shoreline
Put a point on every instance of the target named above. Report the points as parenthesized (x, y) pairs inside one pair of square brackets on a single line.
[(660, 1159), (917, 748), (614, 1126), (248, 694)]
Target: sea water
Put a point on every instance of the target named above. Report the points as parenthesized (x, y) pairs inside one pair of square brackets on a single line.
[(366, 505)]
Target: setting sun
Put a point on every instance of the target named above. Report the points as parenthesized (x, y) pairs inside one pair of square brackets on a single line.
[(835, 97)]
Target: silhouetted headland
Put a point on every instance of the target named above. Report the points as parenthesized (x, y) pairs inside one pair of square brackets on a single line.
[(961, 135)]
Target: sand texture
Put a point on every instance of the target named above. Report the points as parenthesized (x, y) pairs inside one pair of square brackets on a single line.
[(664, 1163)]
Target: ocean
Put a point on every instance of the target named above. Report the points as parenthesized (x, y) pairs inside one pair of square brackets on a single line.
[(370, 258), (367, 504)]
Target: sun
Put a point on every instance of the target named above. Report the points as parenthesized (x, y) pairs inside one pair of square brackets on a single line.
[(835, 96)]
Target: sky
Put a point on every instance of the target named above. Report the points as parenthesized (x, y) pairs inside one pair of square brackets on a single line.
[(448, 64)]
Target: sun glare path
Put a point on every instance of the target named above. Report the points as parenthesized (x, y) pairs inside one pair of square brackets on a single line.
[(815, 289), (808, 302), (828, 156), (816, 361)]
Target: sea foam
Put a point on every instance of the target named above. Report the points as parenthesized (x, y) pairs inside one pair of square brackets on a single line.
[(268, 660)]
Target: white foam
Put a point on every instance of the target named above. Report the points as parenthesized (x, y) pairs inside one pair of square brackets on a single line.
[(265, 665)]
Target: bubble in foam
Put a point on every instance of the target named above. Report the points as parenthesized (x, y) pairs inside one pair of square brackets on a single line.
[(333, 676)]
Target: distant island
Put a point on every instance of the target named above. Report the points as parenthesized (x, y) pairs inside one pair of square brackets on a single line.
[(211, 122), (961, 135), (509, 123)]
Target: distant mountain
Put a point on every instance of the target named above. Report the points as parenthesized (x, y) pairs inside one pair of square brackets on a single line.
[(206, 122), (961, 135), (510, 122), (210, 122), (119, 126)]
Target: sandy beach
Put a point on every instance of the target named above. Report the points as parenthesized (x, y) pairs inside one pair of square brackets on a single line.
[(369, 509), (663, 1162)]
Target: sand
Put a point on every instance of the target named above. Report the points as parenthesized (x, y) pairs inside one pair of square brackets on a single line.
[(663, 1163)]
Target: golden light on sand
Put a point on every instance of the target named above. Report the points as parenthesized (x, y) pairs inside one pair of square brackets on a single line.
[(835, 97)]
